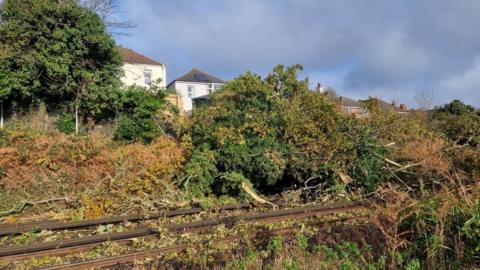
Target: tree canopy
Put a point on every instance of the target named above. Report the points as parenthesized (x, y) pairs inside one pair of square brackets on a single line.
[(276, 133), (458, 121), (59, 53)]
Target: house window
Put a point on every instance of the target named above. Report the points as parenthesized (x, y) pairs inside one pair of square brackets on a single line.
[(210, 88), (147, 75), (190, 91), (217, 87)]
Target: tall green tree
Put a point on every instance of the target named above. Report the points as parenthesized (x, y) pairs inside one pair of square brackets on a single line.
[(458, 121), (61, 55), (4, 85)]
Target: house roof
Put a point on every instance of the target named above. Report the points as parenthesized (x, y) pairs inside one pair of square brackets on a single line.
[(383, 105), (132, 57), (346, 101), (196, 75)]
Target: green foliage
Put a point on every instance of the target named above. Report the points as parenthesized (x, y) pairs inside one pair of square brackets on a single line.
[(230, 183), (276, 133), (139, 110), (201, 171), (445, 231), (276, 245), (413, 265), (368, 167), (291, 265), (66, 123), (372, 106), (347, 255), (283, 254), (127, 130), (458, 121), (59, 53)]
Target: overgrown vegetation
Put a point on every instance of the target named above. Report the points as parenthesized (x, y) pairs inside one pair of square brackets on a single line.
[(459, 122), (139, 114), (271, 135), (97, 176), (276, 133)]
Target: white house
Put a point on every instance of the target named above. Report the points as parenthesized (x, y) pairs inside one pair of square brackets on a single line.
[(195, 83), (141, 70)]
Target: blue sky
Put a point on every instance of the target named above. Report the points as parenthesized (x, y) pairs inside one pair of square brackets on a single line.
[(392, 49)]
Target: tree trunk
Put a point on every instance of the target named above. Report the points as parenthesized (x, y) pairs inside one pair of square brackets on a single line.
[(76, 120), (1, 114), (45, 117), (45, 127)]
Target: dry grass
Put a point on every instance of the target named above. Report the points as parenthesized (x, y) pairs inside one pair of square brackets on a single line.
[(440, 229), (101, 175), (30, 157)]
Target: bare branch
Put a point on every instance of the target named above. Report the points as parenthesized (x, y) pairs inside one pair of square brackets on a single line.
[(424, 100), (107, 10)]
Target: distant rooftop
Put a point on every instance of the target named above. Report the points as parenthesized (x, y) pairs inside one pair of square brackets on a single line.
[(132, 57), (196, 75), (346, 101), (382, 105)]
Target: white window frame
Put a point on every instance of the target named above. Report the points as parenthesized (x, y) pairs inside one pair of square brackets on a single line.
[(190, 91), (217, 86), (147, 73)]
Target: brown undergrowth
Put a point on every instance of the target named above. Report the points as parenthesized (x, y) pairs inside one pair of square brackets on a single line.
[(439, 230), (100, 176)]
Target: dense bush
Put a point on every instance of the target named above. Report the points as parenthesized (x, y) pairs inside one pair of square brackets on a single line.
[(66, 123), (140, 109), (276, 133), (458, 121)]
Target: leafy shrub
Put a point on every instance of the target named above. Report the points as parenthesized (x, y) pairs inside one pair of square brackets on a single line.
[(458, 121), (368, 167), (230, 183), (66, 123), (140, 108), (130, 129), (127, 130), (201, 172), (276, 133)]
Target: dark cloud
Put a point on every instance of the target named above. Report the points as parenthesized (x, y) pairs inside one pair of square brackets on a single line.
[(393, 49)]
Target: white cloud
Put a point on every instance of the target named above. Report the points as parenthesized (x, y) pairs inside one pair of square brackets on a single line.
[(399, 47), (464, 85)]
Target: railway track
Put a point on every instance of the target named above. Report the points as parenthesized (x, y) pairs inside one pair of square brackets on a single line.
[(86, 243), (16, 229), (137, 256)]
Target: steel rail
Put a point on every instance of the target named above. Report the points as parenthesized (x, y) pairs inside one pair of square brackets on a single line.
[(140, 255), (191, 226), (16, 229), (83, 248)]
